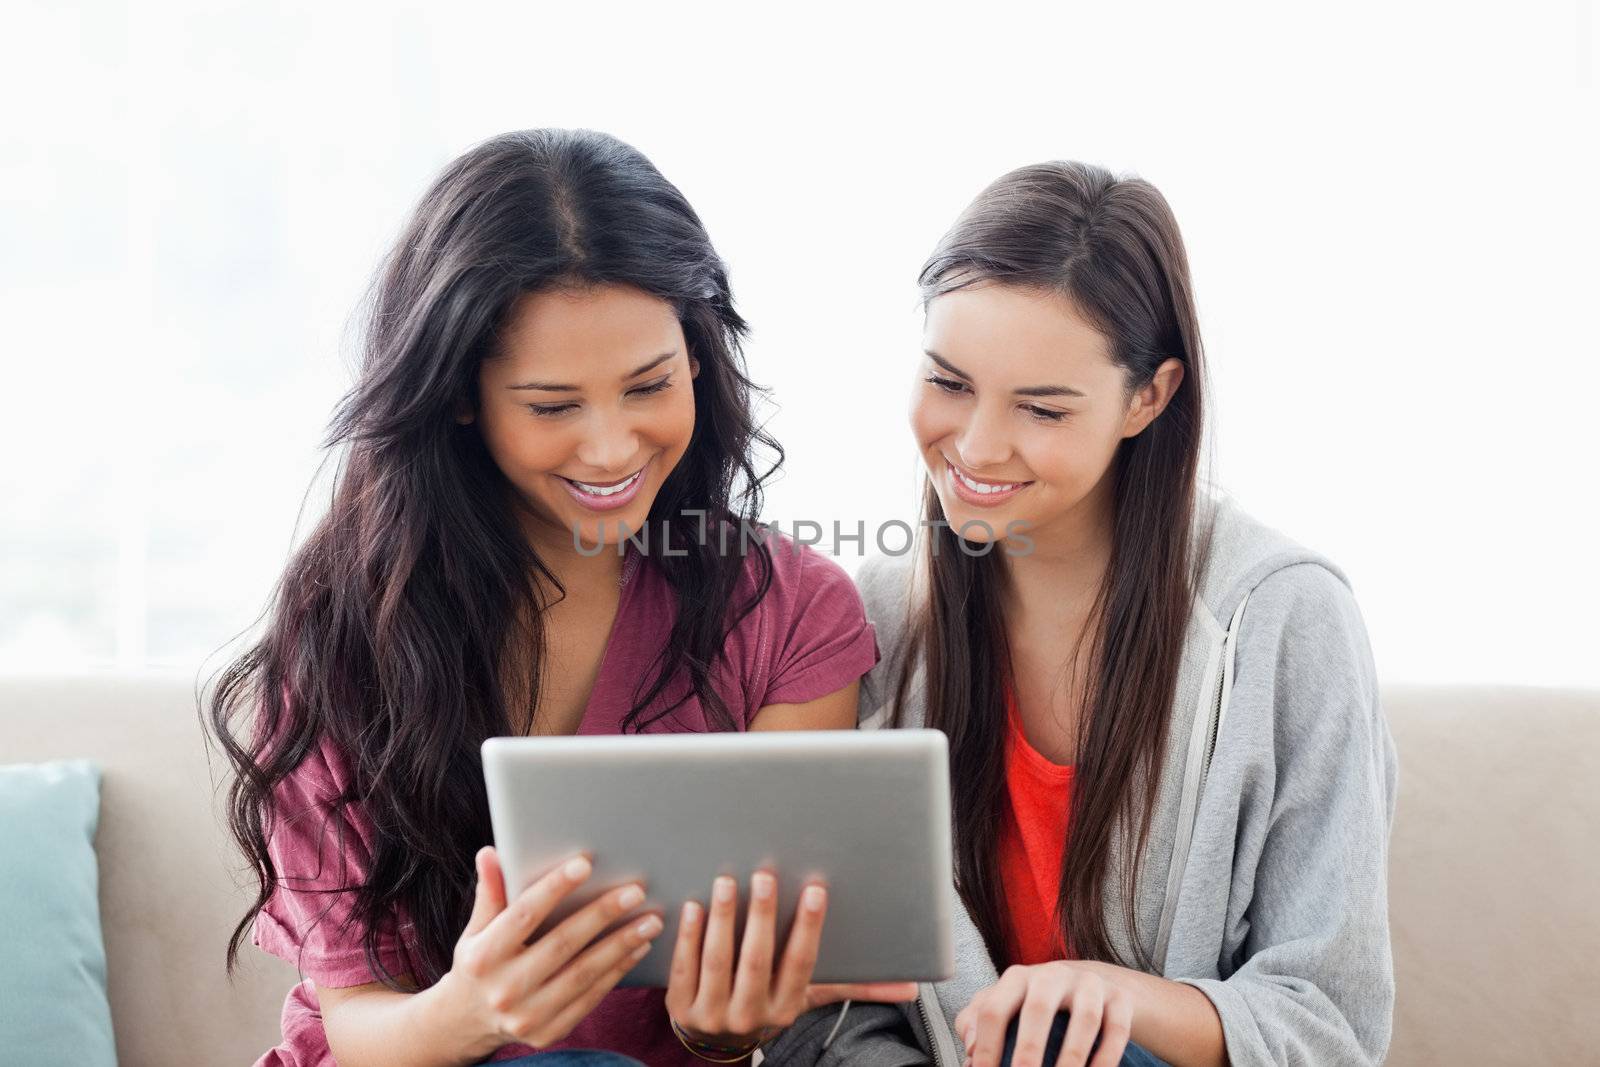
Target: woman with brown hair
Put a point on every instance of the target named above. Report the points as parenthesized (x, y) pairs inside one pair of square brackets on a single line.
[(551, 432), (1172, 780)]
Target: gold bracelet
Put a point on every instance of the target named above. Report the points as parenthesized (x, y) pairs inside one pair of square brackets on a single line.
[(690, 1043)]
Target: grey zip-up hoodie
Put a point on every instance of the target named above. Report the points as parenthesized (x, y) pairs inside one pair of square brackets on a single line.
[(1264, 879)]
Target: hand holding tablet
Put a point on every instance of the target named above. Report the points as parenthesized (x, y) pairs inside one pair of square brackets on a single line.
[(506, 986), (721, 996), (864, 814)]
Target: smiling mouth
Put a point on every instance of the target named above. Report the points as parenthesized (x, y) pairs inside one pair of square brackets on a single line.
[(986, 488), (605, 489)]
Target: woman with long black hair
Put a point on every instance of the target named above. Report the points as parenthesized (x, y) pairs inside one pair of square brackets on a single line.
[(1172, 781), (549, 443)]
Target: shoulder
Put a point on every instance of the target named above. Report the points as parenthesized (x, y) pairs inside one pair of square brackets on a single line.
[(1304, 668), (1302, 641), (886, 583), (1240, 553), (808, 635), (315, 787), (799, 579)]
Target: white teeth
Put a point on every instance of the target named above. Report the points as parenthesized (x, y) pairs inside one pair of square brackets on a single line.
[(979, 487), (607, 490)]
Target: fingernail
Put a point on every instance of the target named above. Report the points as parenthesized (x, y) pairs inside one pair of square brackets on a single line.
[(577, 868), (691, 911), (631, 897), (812, 898), (724, 890), (763, 885), (650, 927)]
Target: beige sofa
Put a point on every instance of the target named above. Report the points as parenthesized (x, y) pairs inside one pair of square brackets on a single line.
[(1495, 871)]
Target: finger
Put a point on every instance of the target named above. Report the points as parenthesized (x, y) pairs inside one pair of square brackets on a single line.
[(595, 974), (879, 992), (990, 1017), (716, 954), (565, 941), (1116, 1026), (490, 898), (683, 976), (800, 951), (1039, 1007), (1086, 1002), (508, 932), (747, 1007)]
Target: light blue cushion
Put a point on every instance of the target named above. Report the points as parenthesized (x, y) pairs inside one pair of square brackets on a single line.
[(53, 1006)]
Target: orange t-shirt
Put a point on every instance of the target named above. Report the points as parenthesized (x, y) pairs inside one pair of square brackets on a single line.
[(1033, 839)]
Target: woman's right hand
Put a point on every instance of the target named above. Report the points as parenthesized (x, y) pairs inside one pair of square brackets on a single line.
[(534, 994)]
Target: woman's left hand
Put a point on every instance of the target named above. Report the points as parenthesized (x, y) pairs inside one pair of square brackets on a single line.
[(733, 999), (1033, 995)]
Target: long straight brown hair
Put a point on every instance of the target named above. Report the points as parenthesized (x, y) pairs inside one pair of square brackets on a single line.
[(1111, 247)]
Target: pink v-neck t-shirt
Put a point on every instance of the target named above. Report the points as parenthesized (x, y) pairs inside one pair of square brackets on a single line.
[(808, 637)]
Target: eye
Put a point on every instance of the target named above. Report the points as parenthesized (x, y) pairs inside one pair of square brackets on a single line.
[(947, 384), (652, 388), (550, 409), (1045, 413)]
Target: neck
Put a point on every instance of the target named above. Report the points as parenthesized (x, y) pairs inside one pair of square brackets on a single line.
[(575, 570), (1060, 576)]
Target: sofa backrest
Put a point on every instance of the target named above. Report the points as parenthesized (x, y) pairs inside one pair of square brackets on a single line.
[(168, 895), (1493, 870), (1494, 875)]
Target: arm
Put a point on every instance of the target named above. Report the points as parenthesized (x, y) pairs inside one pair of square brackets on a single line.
[(499, 989), (836, 711), (1305, 951), (1112, 1004), (374, 1024), (1171, 1020), (1309, 974)]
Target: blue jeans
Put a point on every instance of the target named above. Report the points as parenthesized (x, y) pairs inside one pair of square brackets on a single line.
[(572, 1058), (1132, 1056)]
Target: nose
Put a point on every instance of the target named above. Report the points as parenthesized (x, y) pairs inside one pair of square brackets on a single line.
[(982, 442), (609, 445)]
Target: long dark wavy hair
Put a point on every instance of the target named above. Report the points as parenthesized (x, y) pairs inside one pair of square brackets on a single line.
[(389, 628), (1112, 247)]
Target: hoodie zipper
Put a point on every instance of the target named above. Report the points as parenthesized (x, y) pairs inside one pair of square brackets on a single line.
[(1189, 807), (1216, 715), (1224, 680), (927, 1027)]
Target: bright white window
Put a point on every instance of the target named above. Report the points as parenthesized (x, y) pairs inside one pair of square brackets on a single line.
[(1391, 219)]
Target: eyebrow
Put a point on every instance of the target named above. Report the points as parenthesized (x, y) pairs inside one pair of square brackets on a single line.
[(561, 387), (1032, 390)]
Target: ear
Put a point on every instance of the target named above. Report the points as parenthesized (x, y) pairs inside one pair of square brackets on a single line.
[(464, 413), (694, 367), (1151, 401)]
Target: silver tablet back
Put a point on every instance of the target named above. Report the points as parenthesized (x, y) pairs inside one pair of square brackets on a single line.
[(866, 811)]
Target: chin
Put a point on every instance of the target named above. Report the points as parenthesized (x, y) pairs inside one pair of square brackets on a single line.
[(956, 516)]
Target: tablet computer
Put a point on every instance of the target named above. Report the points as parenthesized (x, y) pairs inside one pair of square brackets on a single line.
[(865, 812)]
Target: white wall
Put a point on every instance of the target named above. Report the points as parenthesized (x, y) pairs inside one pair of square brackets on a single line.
[(1390, 210)]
